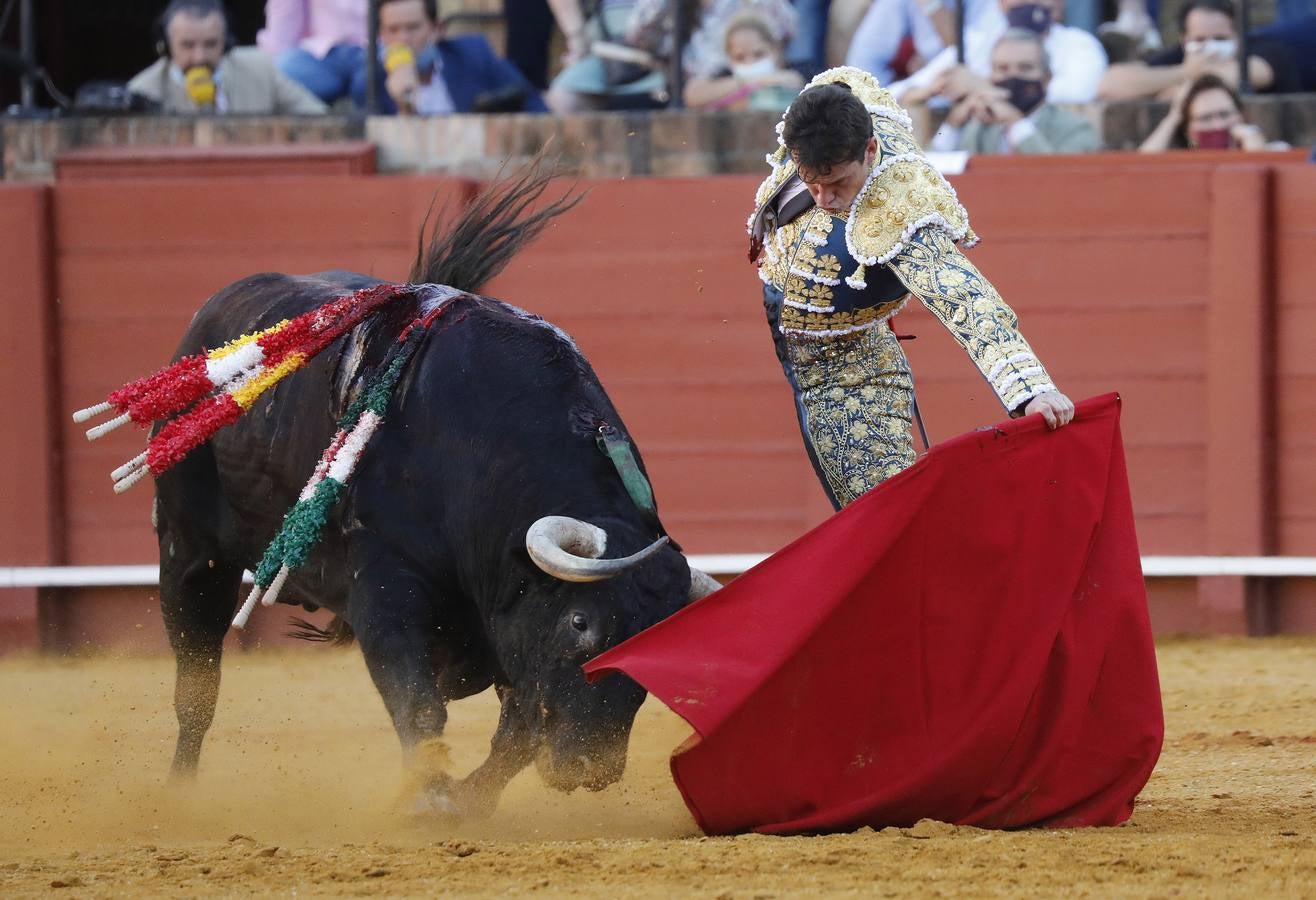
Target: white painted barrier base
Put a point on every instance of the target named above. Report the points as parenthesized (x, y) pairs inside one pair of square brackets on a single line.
[(714, 564)]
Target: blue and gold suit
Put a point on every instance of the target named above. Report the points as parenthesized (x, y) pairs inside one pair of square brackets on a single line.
[(832, 282)]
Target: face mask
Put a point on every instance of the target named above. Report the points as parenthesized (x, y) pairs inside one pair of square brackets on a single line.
[(1214, 139), (1026, 94), (1220, 48), (1030, 16), (757, 69)]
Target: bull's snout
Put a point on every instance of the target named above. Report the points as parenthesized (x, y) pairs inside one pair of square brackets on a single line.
[(592, 771)]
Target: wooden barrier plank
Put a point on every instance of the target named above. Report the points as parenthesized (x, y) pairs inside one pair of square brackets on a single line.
[(1239, 460), (205, 215), (1064, 203), (30, 527), (244, 161), (1294, 242), (1153, 274)]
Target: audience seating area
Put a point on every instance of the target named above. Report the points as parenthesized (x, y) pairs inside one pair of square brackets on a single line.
[(683, 143)]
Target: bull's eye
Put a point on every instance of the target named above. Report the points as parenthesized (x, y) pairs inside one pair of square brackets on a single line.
[(579, 622)]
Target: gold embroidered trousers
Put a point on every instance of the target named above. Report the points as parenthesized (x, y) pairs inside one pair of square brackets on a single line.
[(854, 397)]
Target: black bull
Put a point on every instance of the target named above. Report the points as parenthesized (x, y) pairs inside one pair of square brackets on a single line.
[(493, 427)]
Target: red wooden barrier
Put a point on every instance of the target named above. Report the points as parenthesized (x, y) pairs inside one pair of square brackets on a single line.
[(30, 507), (1180, 285)]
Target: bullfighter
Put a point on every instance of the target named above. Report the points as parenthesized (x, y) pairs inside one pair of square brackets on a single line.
[(853, 221)]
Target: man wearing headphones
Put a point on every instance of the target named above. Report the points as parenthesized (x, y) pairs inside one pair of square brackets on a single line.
[(200, 71)]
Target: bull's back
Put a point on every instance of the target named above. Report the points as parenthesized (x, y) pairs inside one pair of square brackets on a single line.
[(262, 460)]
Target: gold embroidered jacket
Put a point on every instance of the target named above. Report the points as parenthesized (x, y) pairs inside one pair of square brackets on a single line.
[(842, 274)]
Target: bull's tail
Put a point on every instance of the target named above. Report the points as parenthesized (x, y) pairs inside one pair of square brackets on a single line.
[(483, 236), (337, 634)]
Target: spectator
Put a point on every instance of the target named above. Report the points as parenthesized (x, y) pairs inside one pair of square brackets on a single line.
[(592, 83), (807, 51), (427, 74), (589, 81), (1208, 45), (1077, 59), (199, 71), (651, 28), (528, 35), (1136, 23), (929, 23), (1207, 115), (1298, 36), (1013, 116), (1288, 12), (320, 44), (755, 77)]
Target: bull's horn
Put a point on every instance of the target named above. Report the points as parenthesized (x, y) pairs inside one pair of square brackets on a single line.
[(702, 584), (569, 549)]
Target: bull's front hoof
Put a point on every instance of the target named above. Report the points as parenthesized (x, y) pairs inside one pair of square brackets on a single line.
[(451, 799), (430, 788), (436, 799)]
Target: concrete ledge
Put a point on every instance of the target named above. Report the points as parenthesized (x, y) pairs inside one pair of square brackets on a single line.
[(595, 145), (242, 160)]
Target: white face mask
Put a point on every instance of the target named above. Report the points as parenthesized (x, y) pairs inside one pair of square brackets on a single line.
[(765, 65), (1220, 48)]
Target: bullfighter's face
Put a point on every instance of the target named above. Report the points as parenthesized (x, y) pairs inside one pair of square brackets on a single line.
[(835, 187)]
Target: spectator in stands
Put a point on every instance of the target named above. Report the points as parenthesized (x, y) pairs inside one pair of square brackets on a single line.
[(641, 33), (807, 51), (1208, 46), (755, 77), (1299, 37), (200, 71), (1077, 60), (629, 78), (651, 28), (1207, 115), (1134, 23), (320, 44), (1013, 116), (529, 32), (424, 73), (929, 24)]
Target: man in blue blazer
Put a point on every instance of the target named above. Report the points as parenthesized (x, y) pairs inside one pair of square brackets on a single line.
[(424, 73)]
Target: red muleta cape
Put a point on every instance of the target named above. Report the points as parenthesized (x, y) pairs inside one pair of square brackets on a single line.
[(967, 642)]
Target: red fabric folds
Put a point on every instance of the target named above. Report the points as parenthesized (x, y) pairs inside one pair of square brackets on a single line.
[(968, 642)]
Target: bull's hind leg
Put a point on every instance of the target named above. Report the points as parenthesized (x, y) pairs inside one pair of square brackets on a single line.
[(197, 600), (198, 594)]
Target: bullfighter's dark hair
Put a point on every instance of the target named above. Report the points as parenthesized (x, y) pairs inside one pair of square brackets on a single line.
[(485, 234), (1225, 7), (826, 126), (431, 7)]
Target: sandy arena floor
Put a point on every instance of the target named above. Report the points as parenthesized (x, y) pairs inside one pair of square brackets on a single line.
[(300, 781)]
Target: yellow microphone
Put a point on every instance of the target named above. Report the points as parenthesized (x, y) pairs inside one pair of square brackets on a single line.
[(396, 57), (199, 82)]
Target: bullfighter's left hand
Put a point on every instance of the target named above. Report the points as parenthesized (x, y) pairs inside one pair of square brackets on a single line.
[(1055, 408)]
